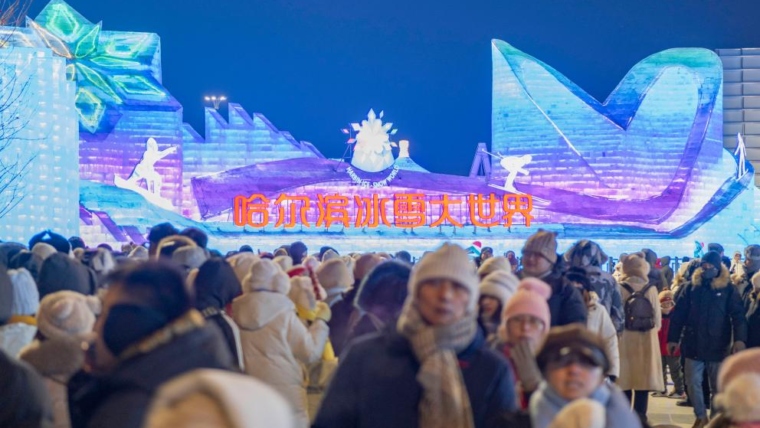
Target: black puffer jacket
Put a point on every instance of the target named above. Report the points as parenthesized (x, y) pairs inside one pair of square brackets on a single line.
[(566, 304), (707, 317)]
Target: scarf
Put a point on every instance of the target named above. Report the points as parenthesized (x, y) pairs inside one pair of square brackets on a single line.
[(444, 403)]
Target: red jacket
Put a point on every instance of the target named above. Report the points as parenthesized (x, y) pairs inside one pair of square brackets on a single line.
[(663, 335)]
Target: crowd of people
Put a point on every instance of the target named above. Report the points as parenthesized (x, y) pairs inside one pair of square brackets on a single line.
[(175, 334)]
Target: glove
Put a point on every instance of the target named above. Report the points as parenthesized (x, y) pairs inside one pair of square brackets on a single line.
[(672, 348), (525, 366), (323, 312), (738, 347)]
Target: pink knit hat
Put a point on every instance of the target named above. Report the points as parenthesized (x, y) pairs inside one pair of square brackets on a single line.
[(744, 362), (530, 299)]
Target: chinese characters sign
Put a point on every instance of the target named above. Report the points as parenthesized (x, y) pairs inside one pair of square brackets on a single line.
[(400, 210)]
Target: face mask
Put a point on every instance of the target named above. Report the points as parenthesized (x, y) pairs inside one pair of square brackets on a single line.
[(128, 324), (710, 273)]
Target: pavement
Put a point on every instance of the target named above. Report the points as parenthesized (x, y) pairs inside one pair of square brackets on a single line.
[(663, 411)]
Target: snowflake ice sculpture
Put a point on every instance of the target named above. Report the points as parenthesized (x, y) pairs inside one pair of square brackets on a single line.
[(372, 152), (111, 69)]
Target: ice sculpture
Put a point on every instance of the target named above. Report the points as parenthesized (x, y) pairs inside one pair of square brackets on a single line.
[(146, 170), (372, 152)]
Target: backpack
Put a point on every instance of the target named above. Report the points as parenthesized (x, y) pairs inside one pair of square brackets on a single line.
[(639, 313)]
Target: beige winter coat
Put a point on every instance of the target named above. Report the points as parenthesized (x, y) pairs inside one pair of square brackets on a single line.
[(277, 345), (599, 322), (56, 360), (640, 360)]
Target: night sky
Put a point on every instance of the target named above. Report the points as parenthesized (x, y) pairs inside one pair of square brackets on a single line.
[(312, 66)]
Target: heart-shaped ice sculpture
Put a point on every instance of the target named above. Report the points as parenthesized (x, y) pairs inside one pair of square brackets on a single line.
[(635, 154)]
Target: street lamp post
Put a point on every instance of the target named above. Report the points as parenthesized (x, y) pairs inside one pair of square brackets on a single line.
[(216, 100)]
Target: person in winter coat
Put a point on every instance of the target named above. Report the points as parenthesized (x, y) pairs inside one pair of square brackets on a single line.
[(671, 361), (707, 318), (65, 320), (667, 271), (599, 321), (495, 291), (525, 325), (147, 334), (540, 261), (397, 378), (343, 311), (573, 363), (20, 329), (656, 277), (335, 278), (276, 343), (588, 255), (24, 401), (739, 391), (215, 398), (744, 272), (380, 299), (752, 306), (216, 285), (640, 360)]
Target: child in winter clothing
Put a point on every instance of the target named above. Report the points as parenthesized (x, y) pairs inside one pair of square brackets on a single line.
[(21, 327), (525, 323), (276, 344), (671, 362)]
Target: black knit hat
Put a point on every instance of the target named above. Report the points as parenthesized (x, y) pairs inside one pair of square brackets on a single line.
[(576, 340), (712, 257), (60, 243)]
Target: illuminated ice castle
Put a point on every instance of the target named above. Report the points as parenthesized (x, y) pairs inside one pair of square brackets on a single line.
[(646, 164)]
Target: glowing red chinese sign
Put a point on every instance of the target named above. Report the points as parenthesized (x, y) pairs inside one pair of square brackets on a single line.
[(401, 210)]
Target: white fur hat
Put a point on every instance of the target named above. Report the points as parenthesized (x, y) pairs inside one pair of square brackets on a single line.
[(26, 297), (241, 263), (740, 398), (218, 398), (302, 292), (581, 413), (67, 313), (334, 276), (285, 262), (266, 275), (499, 284), (43, 250)]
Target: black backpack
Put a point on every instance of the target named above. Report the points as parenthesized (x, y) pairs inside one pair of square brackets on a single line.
[(639, 313)]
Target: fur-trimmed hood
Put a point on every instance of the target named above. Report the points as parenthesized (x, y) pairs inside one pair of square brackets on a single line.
[(721, 281), (56, 358)]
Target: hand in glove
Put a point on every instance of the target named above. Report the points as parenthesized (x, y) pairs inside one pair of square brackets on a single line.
[(738, 347), (323, 312), (525, 365), (672, 348)]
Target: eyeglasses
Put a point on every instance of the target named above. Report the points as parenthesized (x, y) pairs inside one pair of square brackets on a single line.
[(527, 321)]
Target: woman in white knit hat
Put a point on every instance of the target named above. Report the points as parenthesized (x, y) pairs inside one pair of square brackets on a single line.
[(434, 370), (276, 344), (495, 290), (65, 320)]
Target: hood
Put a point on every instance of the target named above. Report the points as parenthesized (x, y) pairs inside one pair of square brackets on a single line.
[(650, 256), (721, 281), (215, 284), (665, 261), (61, 272), (585, 253), (60, 357), (252, 311)]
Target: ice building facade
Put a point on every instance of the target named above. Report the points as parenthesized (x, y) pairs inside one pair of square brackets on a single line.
[(644, 167)]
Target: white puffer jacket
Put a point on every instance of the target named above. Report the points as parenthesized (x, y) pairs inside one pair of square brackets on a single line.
[(599, 322), (277, 345)]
